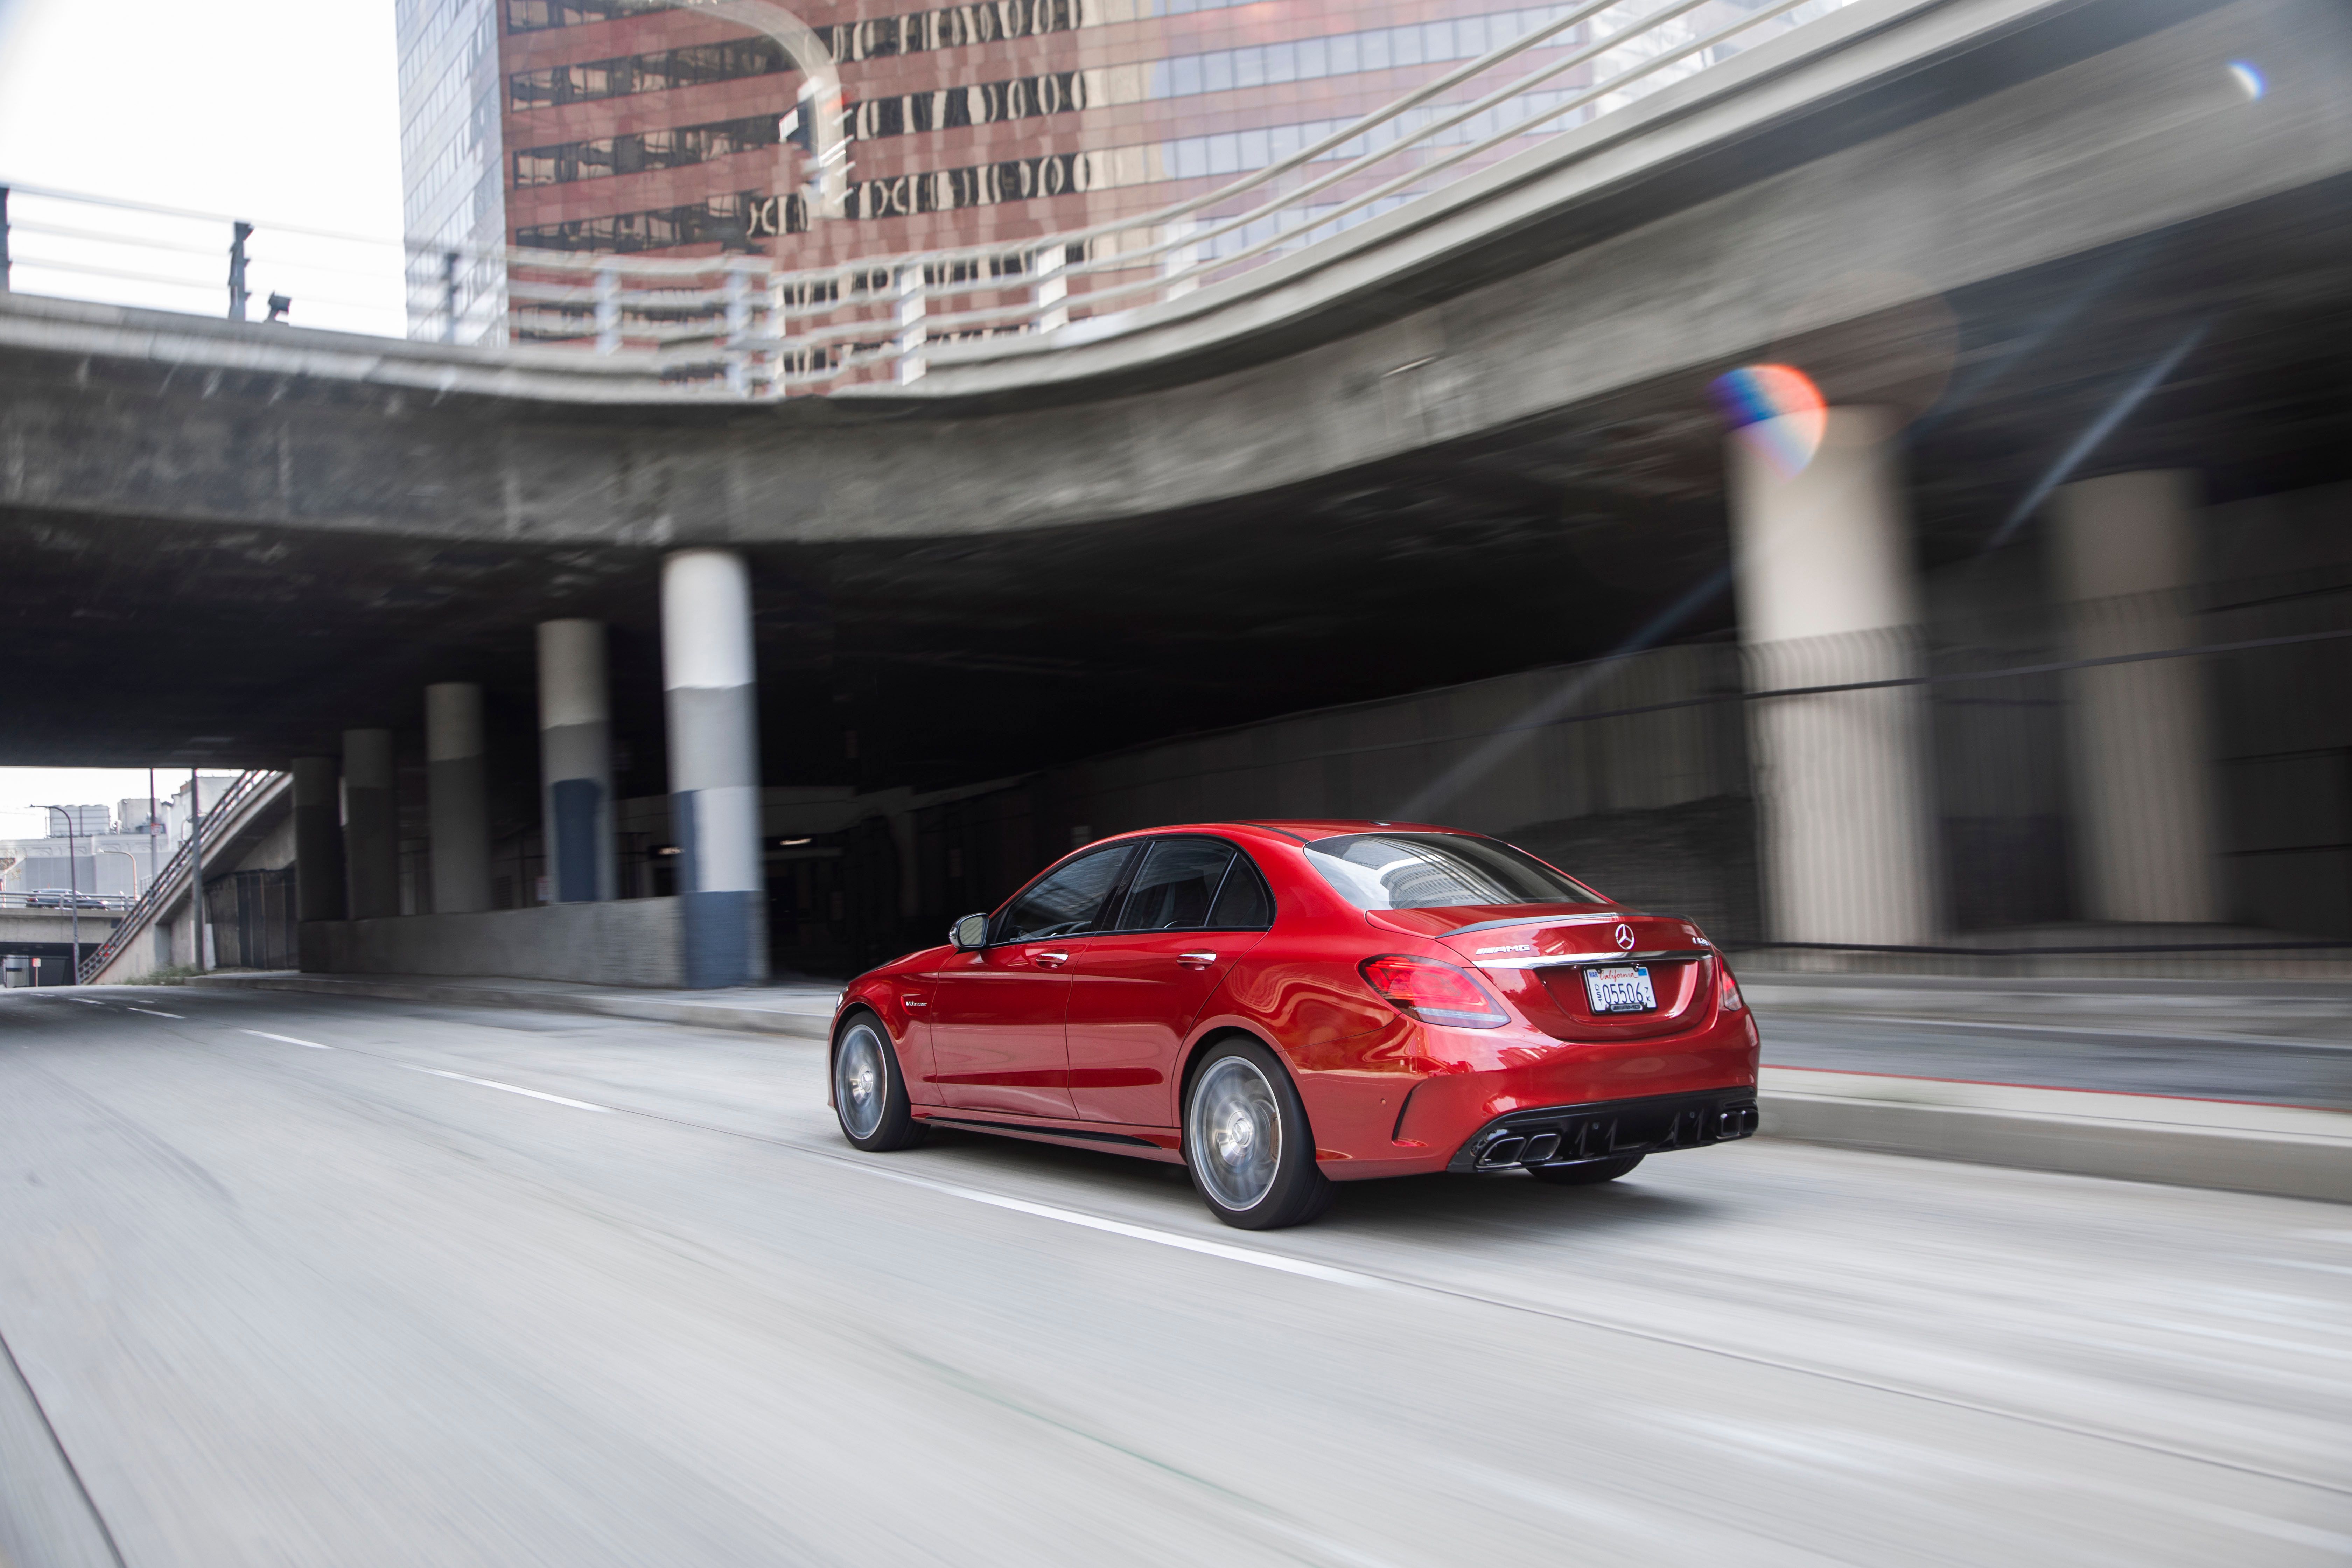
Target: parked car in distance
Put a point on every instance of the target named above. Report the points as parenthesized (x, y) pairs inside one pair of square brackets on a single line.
[(1282, 1005), (64, 898)]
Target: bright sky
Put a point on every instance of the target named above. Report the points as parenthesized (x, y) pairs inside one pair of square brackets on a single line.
[(21, 788), (281, 112), (278, 111)]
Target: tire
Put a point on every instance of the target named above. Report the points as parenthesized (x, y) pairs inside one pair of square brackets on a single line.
[(869, 1092), (1247, 1142), (1590, 1174)]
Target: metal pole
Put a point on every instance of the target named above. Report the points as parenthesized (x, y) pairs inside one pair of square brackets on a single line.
[(73, 895), (448, 296), (151, 826), (196, 857), (4, 239), (237, 293)]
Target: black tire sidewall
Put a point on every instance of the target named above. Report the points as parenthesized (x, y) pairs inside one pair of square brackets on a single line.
[(898, 1128), (1299, 1191)]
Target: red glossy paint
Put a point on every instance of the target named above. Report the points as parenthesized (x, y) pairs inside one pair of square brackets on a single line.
[(1069, 1038)]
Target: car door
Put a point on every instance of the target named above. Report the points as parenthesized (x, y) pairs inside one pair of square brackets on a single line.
[(996, 1018), (1192, 907)]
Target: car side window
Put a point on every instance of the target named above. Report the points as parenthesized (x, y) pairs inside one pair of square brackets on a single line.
[(1243, 903), (1176, 885), (1069, 901)]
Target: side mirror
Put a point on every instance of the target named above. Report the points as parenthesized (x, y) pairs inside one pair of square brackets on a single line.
[(969, 933)]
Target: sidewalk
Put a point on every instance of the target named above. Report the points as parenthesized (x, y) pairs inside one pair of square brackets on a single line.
[(803, 1011), (2073, 1076)]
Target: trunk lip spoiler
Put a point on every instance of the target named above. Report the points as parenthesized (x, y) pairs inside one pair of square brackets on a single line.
[(1579, 959)]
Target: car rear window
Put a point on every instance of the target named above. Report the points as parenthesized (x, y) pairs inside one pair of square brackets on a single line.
[(1434, 870)]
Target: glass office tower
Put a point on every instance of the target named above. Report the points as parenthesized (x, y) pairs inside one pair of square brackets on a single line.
[(639, 127)]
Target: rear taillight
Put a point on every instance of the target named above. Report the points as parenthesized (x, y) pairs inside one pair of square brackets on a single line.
[(1432, 992), (1726, 989)]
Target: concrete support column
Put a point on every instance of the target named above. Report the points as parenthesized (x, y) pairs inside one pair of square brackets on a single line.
[(1828, 593), (458, 797), (575, 761), (317, 840), (714, 765), (371, 826), (2141, 751)]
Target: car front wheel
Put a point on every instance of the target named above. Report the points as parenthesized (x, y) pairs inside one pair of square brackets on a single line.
[(869, 1092), (1247, 1141)]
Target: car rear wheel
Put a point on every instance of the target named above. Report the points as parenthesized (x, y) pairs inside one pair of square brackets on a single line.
[(869, 1092), (1592, 1173), (1247, 1141)]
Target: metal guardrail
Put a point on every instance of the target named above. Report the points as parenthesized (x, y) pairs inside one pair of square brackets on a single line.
[(168, 882), (740, 325), (64, 903)]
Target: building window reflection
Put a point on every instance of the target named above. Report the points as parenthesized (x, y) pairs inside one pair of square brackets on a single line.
[(638, 150)]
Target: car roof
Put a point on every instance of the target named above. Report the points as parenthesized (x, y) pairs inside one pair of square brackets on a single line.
[(1302, 830)]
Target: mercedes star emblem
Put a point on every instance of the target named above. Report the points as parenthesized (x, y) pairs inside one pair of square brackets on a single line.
[(1625, 938)]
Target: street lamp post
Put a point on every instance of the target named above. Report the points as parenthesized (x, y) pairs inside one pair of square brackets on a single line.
[(73, 892), (127, 854), (196, 862)]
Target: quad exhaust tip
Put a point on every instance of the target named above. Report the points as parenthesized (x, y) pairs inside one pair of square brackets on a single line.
[(1502, 1152), (1513, 1149)]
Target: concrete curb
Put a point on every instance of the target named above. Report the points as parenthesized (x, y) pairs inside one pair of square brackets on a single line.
[(2283, 1151), (741, 1016)]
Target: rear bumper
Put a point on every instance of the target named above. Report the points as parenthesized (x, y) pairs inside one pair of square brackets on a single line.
[(1609, 1129)]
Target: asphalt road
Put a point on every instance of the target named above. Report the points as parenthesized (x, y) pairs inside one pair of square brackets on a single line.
[(370, 1304)]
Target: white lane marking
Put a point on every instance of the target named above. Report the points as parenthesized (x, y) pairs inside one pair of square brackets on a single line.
[(1120, 1228), (287, 1040), (152, 1014), (87, 1001), (511, 1088)]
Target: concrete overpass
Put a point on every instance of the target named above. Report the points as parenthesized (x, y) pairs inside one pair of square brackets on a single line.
[(49, 935), (1464, 439)]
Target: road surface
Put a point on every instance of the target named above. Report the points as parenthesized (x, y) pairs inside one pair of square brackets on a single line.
[(312, 1282)]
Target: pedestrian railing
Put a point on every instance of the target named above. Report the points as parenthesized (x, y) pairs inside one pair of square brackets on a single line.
[(169, 883), (739, 323), (43, 899)]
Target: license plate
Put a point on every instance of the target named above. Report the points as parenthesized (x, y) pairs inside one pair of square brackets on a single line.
[(1620, 988)]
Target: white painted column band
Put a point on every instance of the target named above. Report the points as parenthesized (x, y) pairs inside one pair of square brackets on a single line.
[(1828, 593), (708, 677), (2140, 749)]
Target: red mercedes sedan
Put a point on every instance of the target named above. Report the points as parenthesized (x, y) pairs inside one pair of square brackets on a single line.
[(1280, 1005)]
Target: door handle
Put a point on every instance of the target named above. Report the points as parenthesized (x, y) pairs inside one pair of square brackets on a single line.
[(1049, 960), (1196, 960)]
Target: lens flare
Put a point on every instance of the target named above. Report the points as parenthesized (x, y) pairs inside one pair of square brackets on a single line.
[(2250, 77), (1777, 410)]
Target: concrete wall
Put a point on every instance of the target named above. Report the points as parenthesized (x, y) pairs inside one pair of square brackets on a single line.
[(631, 941)]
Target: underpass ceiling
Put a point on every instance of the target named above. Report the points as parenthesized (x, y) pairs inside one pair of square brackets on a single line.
[(133, 641)]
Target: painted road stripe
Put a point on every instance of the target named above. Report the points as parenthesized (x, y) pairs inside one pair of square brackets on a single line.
[(511, 1088), (1119, 1227), (288, 1039), (152, 1014)]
